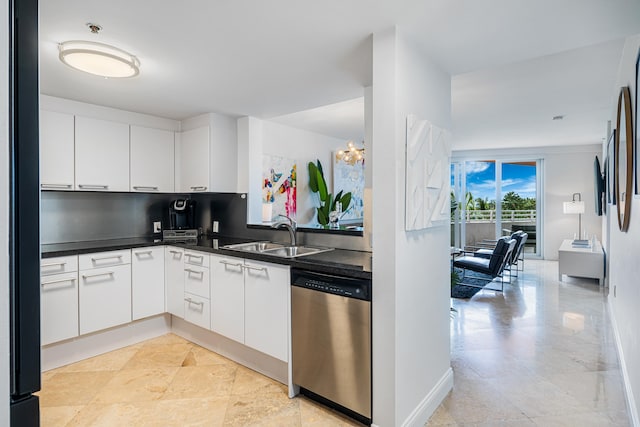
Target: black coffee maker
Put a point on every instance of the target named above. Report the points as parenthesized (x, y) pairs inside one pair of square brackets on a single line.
[(182, 214)]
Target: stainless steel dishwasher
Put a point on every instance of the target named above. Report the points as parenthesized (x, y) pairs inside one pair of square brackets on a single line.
[(331, 340)]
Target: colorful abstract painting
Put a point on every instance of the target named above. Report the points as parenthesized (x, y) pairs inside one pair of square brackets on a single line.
[(279, 186)]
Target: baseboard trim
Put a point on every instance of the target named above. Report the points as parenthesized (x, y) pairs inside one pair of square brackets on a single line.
[(90, 345), (631, 402), (421, 414)]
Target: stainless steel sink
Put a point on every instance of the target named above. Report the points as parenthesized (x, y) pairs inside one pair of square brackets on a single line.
[(296, 251), (254, 246), (277, 249)]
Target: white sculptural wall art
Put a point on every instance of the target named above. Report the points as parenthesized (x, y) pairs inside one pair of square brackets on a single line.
[(427, 175)]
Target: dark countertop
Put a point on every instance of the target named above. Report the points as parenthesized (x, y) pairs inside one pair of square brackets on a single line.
[(338, 261)]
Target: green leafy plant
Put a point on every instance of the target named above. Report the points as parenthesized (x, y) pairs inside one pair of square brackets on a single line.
[(455, 278), (318, 184)]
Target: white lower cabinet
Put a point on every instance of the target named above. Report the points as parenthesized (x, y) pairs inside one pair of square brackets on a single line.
[(58, 299), (227, 302), (250, 303), (266, 308), (105, 292), (197, 310), (243, 300), (174, 280), (147, 282)]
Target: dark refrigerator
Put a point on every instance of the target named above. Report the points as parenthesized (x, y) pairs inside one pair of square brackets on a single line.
[(24, 206)]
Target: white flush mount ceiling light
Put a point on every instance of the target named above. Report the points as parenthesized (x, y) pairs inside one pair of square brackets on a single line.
[(99, 59)]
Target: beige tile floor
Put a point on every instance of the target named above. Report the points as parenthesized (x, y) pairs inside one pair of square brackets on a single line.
[(169, 381), (540, 354)]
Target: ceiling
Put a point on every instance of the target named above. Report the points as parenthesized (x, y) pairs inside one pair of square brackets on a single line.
[(515, 63)]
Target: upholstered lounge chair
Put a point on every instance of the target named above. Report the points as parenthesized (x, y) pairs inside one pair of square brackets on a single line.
[(492, 266), (516, 255)]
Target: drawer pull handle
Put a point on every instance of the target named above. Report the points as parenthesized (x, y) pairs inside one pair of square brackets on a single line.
[(143, 188), (194, 256), (256, 268), (94, 259), (175, 252), (53, 264), (89, 276), (51, 282), (93, 186), (143, 253), (55, 186), (199, 188), (231, 264), (190, 301), (188, 270)]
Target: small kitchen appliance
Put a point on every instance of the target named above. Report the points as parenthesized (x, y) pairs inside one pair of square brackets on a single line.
[(182, 221), (182, 214)]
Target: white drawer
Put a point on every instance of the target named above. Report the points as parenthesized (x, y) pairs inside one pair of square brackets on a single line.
[(58, 307), (196, 258), (197, 310), (104, 259), (58, 265), (196, 280)]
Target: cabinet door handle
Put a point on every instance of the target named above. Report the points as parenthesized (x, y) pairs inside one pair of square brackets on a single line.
[(93, 186), (231, 264), (143, 253), (53, 264), (145, 188), (175, 252), (256, 268), (55, 186), (190, 301), (51, 282), (89, 276), (199, 188), (188, 270), (94, 259)]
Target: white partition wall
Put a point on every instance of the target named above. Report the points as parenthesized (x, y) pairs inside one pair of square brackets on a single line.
[(411, 362)]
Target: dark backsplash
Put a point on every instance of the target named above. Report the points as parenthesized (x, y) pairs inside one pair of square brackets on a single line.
[(68, 216)]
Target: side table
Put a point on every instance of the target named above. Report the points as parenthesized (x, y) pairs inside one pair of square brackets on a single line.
[(581, 262)]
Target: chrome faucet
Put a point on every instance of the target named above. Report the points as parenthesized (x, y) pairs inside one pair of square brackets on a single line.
[(288, 224)]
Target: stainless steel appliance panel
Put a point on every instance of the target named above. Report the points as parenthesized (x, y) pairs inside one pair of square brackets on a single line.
[(331, 347)]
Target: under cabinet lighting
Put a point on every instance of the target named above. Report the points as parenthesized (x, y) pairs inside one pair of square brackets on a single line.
[(99, 59)]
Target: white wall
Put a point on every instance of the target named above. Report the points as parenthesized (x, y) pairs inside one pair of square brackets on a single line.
[(303, 147), (565, 170), (266, 137), (624, 279), (411, 365), (4, 220)]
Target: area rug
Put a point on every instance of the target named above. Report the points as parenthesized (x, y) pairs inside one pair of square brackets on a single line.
[(465, 292)]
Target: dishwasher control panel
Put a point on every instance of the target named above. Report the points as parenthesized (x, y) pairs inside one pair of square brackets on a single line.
[(336, 285)]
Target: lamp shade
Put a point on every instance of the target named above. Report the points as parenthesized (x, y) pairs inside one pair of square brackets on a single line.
[(99, 59), (574, 207)]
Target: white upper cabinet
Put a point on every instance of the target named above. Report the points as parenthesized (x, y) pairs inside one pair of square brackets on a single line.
[(101, 155), (152, 160), (56, 151), (193, 154)]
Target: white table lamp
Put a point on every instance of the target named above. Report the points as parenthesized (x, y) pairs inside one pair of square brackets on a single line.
[(575, 206)]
